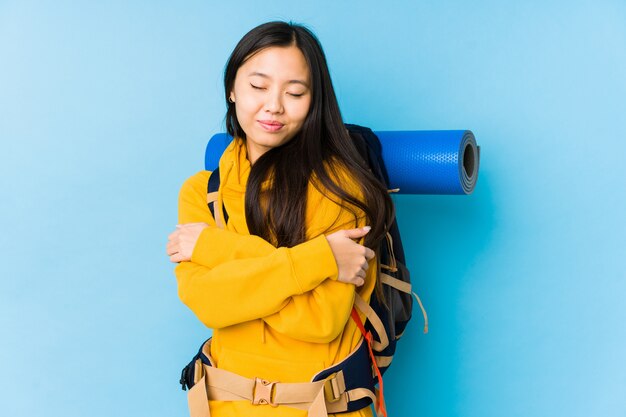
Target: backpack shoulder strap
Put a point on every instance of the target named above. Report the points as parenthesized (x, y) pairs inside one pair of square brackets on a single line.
[(212, 189)]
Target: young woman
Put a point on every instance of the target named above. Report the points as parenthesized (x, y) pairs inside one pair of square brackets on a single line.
[(277, 283)]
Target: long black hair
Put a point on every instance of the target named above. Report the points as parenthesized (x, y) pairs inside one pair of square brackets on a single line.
[(322, 145)]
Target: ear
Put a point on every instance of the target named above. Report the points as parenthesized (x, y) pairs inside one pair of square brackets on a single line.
[(231, 97)]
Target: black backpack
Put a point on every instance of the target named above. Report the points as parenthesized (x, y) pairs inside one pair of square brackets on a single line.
[(363, 369), (398, 296)]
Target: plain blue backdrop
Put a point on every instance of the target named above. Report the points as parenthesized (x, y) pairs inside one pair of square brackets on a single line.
[(106, 107)]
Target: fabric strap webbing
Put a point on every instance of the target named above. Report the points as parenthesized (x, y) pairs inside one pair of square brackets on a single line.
[(404, 287), (381, 407), (319, 398)]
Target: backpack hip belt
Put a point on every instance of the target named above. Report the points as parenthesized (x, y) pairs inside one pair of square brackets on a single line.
[(329, 392)]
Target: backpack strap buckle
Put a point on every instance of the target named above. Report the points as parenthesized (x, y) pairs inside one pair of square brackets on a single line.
[(334, 387), (263, 392)]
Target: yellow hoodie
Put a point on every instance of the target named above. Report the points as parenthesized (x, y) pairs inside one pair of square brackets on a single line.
[(276, 313)]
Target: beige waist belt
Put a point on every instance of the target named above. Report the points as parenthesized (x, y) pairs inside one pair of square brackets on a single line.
[(319, 398)]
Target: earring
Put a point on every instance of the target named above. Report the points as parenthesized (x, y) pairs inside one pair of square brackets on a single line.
[(230, 100)]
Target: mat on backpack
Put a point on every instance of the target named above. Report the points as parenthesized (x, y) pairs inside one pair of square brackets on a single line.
[(417, 161)]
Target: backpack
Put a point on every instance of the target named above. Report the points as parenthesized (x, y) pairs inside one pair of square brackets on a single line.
[(386, 322)]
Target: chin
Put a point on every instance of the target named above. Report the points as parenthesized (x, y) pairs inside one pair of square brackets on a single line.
[(272, 141)]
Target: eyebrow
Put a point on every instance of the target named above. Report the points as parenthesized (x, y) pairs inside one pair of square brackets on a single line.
[(260, 74)]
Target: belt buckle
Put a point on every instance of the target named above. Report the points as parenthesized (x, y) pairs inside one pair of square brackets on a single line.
[(263, 392)]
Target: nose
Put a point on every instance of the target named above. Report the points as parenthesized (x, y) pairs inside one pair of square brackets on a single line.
[(274, 103)]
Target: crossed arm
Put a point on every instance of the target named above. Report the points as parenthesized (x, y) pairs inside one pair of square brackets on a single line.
[(231, 278)]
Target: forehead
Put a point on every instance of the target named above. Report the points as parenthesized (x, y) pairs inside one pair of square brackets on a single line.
[(281, 64)]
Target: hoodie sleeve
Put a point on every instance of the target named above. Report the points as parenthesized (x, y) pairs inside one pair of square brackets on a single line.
[(317, 316), (320, 315), (247, 289), (254, 279), (214, 245)]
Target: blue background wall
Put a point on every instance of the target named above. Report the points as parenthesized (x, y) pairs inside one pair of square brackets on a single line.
[(106, 109)]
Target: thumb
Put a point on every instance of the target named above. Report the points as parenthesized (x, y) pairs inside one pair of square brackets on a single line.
[(357, 233)]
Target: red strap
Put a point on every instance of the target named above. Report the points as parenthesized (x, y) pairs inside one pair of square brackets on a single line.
[(368, 336)]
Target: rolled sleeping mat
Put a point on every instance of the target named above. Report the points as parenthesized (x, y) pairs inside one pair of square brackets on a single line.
[(417, 161), (431, 161)]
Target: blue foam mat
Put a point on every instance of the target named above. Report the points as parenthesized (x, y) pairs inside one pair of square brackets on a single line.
[(417, 161)]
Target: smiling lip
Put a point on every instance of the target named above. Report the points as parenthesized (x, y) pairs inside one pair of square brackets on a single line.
[(270, 125)]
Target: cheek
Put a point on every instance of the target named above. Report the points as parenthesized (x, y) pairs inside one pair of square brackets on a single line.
[(246, 108), (302, 109)]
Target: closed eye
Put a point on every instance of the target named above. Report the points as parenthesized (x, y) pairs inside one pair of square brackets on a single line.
[(263, 88)]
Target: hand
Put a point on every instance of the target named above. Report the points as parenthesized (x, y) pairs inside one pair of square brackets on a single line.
[(182, 241), (352, 258)]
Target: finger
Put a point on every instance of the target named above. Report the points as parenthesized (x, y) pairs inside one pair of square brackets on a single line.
[(369, 254), (359, 282), (172, 235), (172, 249), (357, 233), (365, 265)]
